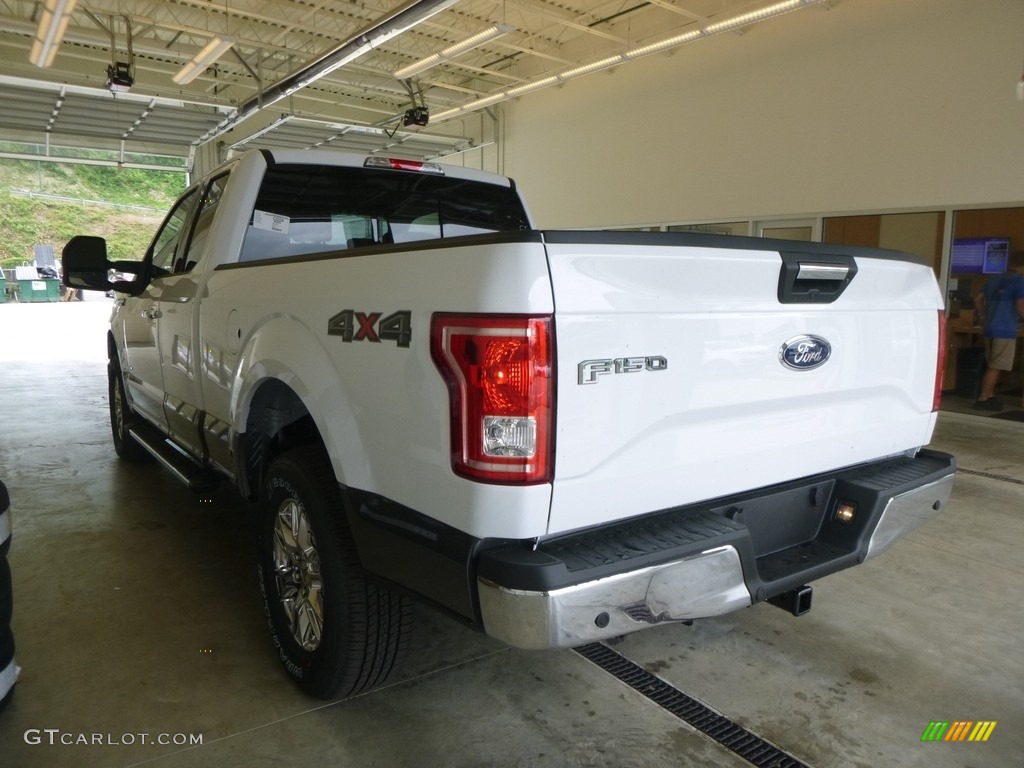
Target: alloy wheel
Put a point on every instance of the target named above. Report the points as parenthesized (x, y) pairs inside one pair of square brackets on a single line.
[(297, 573)]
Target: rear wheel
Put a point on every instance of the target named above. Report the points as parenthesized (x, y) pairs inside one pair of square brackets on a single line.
[(6, 594), (335, 633), (122, 418), (8, 667)]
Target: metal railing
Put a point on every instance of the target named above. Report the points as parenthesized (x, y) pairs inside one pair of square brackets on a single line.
[(84, 201)]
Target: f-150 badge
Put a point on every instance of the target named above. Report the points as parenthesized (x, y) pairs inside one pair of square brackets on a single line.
[(803, 353), (589, 370)]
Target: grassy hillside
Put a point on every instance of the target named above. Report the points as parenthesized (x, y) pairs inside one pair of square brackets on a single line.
[(25, 221)]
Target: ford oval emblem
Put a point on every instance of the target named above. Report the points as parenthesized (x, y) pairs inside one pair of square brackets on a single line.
[(802, 353)]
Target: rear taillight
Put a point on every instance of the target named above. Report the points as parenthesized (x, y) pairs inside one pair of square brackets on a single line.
[(500, 378), (940, 363)]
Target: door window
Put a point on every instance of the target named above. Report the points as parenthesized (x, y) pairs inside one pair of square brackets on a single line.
[(207, 205), (166, 242)]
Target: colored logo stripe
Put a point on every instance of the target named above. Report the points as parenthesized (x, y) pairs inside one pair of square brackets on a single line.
[(958, 730), (982, 731)]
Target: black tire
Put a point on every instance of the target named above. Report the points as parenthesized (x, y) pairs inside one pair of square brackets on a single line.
[(335, 633), (6, 665), (5, 509), (6, 594), (122, 418)]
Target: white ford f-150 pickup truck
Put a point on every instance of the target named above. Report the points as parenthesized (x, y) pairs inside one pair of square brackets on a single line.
[(554, 436)]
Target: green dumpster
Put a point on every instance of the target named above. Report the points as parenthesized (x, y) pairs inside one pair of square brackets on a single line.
[(45, 289)]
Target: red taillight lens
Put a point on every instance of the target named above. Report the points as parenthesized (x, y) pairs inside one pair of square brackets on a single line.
[(940, 363), (500, 385)]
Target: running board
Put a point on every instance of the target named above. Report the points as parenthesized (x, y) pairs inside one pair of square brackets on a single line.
[(178, 463)]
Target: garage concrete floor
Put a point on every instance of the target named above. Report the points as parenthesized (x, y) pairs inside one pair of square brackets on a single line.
[(136, 612)]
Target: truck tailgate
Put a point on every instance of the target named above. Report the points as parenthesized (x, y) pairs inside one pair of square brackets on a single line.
[(672, 387)]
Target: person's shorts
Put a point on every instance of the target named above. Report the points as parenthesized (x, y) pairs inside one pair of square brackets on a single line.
[(999, 353)]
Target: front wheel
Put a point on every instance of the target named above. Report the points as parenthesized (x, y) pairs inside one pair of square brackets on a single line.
[(335, 633), (122, 418)]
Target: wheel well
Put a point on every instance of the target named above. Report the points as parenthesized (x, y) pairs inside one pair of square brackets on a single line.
[(278, 421)]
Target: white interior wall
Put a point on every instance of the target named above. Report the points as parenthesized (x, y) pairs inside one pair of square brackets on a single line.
[(870, 105)]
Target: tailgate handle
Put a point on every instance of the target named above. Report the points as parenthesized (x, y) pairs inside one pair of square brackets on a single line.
[(822, 272), (814, 278)]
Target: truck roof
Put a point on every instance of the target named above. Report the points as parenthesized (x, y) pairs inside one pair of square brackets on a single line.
[(357, 160)]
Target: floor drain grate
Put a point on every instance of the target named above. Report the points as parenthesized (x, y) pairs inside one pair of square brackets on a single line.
[(733, 737), (989, 475)]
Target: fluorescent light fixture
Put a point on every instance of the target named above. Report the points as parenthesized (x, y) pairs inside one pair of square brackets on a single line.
[(762, 14), (453, 50), (519, 90), (217, 47), (53, 21), (664, 45), (725, 25), (398, 21), (387, 27), (595, 66)]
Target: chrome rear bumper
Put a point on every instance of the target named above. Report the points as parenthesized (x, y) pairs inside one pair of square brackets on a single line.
[(907, 511), (708, 584)]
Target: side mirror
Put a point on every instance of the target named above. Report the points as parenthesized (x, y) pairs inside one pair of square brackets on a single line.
[(86, 265)]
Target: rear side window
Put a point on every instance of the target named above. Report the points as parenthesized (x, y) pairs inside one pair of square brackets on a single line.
[(304, 209)]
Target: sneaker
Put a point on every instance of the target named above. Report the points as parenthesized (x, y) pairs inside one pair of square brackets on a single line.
[(992, 404)]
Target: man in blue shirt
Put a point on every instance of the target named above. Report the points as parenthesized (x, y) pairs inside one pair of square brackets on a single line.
[(1001, 304)]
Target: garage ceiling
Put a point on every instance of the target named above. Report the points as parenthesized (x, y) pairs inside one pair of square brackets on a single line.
[(260, 92)]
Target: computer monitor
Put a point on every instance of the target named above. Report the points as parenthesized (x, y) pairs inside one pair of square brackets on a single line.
[(980, 255)]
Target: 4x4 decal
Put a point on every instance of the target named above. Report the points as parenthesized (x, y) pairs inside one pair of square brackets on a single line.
[(368, 326)]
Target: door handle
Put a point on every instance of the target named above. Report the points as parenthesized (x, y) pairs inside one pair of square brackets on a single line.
[(153, 312), (822, 271), (806, 278)]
